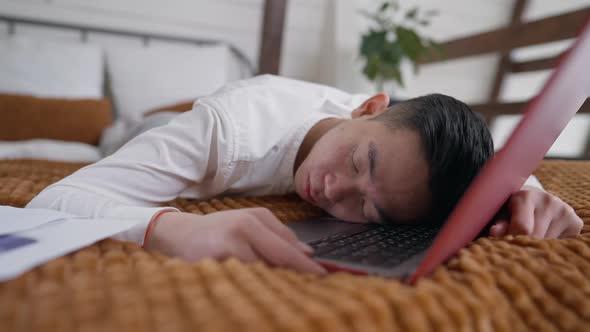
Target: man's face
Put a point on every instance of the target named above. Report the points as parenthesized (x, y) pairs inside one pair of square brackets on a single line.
[(360, 170)]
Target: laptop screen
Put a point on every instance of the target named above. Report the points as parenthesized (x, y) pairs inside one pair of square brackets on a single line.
[(544, 119)]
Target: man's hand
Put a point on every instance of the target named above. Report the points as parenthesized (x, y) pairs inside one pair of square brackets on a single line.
[(247, 234), (539, 214)]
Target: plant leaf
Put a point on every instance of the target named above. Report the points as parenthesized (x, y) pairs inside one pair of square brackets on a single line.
[(411, 14), (383, 56), (409, 42), (392, 53), (372, 42), (391, 72), (371, 68)]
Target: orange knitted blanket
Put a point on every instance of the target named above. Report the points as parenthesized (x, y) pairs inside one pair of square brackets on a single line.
[(507, 284)]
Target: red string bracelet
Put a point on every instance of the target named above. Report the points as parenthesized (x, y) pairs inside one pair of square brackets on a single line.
[(153, 223)]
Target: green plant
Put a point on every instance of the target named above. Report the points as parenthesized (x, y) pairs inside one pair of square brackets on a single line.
[(390, 40)]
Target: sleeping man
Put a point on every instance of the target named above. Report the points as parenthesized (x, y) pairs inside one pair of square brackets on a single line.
[(351, 155)]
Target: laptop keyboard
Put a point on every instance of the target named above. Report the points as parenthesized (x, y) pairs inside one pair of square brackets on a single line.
[(384, 246)]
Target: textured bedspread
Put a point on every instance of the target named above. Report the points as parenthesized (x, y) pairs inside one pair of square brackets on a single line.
[(507, 284)]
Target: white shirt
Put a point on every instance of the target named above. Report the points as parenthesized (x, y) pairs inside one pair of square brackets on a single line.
[(241, 140)]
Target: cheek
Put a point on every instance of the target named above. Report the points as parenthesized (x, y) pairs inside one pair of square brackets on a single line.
[(330, 158), (346, 213)]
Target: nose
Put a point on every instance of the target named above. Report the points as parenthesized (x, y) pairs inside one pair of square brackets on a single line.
[(337, 188)]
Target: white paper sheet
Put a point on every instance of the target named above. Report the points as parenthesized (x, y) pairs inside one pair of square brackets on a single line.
[(14, 220), (22, 251)]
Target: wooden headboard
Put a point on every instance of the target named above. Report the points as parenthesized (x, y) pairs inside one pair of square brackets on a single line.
[(504, 40), (272, 36)]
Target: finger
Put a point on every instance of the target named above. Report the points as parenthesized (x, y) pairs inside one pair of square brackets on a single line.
[(277, 251), (565, 223), (543, 219), (556, 228), (306, 248), (522, 217), (499, 229), (276, 226), (574, 225), (247, 254), (571, 231)]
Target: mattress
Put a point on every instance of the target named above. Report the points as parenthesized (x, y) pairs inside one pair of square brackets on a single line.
[(505, 284), (49, 149)]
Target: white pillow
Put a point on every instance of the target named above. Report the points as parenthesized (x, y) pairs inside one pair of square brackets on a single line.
[(51, 68), (144, 78), (121, 132), (47, 149)]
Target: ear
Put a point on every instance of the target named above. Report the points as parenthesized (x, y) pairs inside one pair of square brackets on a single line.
[(372, 106)]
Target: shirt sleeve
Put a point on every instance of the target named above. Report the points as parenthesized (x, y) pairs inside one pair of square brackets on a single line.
[(154, 167)]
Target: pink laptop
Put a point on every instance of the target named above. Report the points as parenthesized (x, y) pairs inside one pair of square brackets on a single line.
[(410, 251)]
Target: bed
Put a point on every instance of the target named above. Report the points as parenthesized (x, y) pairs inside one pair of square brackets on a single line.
[(506, 284), (81, 99)]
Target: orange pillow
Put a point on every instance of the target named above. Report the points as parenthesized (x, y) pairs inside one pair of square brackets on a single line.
[(27, 117), (180, 107)]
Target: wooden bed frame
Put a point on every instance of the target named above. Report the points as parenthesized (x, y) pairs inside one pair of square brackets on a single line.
[(504, 40), (272, 36)]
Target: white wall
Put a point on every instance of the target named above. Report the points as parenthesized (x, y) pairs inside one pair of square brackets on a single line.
[(305, 38), (236, 21), (189, 18)]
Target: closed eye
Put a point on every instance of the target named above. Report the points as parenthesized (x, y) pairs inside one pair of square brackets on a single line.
[(356, 170)]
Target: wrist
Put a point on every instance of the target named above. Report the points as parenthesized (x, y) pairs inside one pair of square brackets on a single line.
[(149, 239)]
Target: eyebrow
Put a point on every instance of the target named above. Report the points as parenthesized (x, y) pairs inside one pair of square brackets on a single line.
[(372, 155)]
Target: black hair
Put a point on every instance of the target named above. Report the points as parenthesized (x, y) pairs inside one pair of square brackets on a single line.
[(456, 142)]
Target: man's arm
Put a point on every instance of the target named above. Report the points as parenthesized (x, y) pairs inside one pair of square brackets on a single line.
[(247, 234), (194, 148), (154, 167)]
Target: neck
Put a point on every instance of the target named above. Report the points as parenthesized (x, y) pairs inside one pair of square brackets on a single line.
[(312, 136)]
